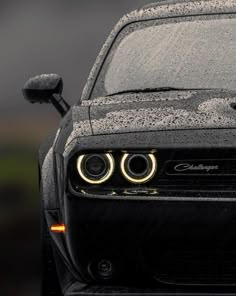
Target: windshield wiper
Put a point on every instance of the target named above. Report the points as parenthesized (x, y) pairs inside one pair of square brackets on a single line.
[(158, 89)]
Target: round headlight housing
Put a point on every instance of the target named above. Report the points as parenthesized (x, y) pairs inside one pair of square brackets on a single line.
[(138, 168), (95, 168)]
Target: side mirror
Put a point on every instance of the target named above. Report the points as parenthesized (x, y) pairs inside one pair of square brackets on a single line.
[(46, 88)]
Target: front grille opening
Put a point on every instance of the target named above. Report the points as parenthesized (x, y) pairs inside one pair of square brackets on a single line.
[(184, 173), (207, 267)]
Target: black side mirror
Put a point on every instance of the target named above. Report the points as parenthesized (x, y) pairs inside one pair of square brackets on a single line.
[(46, 88)]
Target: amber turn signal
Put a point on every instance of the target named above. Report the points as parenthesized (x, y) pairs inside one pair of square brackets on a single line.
[(58, 228)]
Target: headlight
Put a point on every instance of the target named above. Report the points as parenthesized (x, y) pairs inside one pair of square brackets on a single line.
[(138, 168), (95, 168)]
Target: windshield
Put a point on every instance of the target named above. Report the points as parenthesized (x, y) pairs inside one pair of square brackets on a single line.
[(189, 54)]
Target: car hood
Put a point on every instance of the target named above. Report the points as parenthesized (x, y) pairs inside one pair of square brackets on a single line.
[(131, 113), (162, 111)]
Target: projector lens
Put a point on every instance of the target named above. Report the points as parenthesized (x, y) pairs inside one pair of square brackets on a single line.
[(95, 168), (138, 168)]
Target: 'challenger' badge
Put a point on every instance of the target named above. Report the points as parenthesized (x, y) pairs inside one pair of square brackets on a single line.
[(191, 167), (201, 167)]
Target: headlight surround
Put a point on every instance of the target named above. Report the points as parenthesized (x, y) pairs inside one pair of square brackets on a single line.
[(138, 168), (94, 168)]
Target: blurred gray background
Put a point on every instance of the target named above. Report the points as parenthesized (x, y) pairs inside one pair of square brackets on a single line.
[(46, 36)]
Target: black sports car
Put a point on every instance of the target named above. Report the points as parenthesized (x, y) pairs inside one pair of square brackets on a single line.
[(138, 185)]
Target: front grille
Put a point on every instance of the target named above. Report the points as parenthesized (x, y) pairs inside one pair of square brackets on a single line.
[(198, 167), (180, 173)]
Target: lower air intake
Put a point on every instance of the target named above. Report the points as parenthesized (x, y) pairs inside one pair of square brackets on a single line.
[(197, 268)]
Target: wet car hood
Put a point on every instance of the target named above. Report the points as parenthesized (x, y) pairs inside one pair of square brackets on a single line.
[(163, 111), (131, 113)]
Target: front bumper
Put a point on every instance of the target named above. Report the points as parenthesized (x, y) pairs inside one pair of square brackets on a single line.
[(153, 243)]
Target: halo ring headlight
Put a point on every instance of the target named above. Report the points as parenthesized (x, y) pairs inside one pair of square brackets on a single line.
[(140, 172), (95, 169)]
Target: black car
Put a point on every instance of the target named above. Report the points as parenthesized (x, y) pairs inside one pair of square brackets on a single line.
[(138, 185)]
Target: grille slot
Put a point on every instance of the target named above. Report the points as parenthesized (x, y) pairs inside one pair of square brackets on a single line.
[(197, 268)]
